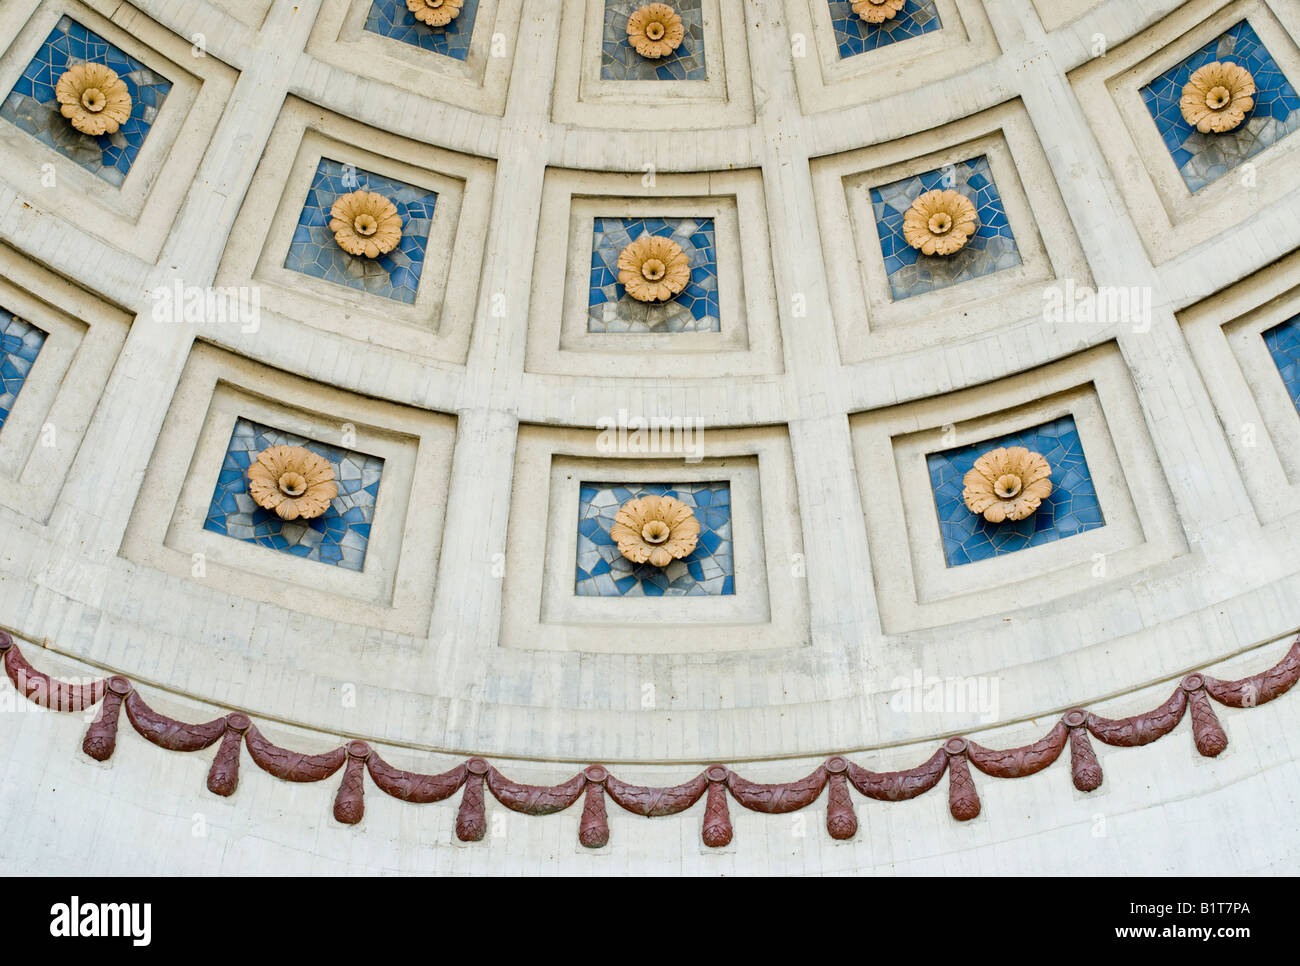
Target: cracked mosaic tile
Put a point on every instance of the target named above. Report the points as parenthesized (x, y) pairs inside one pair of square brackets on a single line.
[(991, 249), (695, 309), (20, 342), (314, 251), (853, 35), (1283, 343), (338, 537), (1204, 158), (32, 106), (708, 571), (1072, 507), (620, 61), (392, 18)]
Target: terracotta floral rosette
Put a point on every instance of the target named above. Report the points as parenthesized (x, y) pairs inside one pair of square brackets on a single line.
[(435, 13), (293, 481), (657, 529), (653, 269), (878, 11), (940, 222), (655, 30), (1008, 483), (93, 98), (1217, 97), (365, 223)]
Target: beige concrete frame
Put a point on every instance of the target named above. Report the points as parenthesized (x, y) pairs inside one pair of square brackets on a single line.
[(1258, 416), (395, 589), (137, 216), (252, 13), (1057, 13)]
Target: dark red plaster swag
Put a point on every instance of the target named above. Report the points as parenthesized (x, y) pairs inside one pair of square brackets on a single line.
[(717, 784)]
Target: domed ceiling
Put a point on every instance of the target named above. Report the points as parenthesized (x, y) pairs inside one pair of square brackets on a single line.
[(712, 409)]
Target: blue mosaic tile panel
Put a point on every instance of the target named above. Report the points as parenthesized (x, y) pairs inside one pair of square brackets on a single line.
[(392, 18), (314, 251), (338, 537), (991, 249), (1283, 343), (695, 309), (32, 106), (1072, 507), (708, 571), (1204, 158), (20, 342), (620, 61), (853, 35)]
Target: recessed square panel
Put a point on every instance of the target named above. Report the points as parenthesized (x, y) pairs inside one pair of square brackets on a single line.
[(418, 298), (990, 249), (1186, 189), (581, 318), (1203, 158), (1072, 507), (1246, 342), (372, 557), (935, 563), (313, 251), (695, 309), (20, 342), (888, 297), (58, 345), (619, 60), (393, 18), (601, 79), (603, 571), (338, 536), (842, 62), (567, 584), (854, 36), (33, 106)]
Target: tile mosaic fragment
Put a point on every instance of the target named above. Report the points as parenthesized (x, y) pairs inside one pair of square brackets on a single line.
[(602, 571)]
